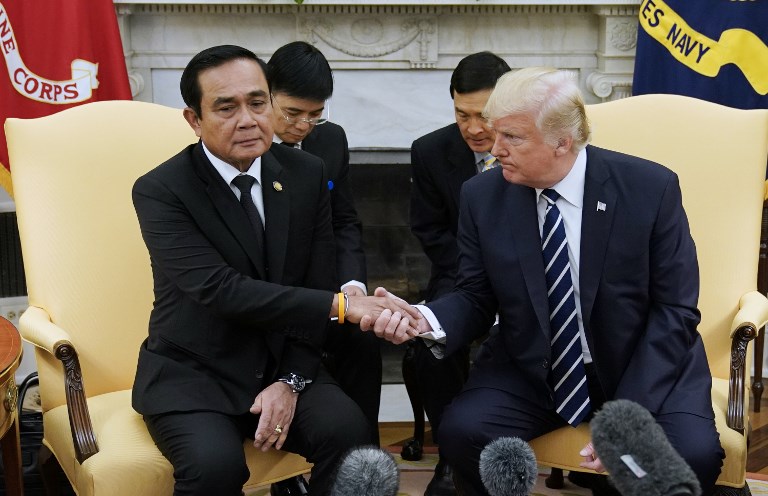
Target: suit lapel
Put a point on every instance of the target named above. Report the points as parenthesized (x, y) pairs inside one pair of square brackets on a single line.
[(527, 241), (229, 209), (595, 228), (277, 214)]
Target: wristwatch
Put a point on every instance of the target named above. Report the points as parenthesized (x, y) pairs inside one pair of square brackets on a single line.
[(297, 382)]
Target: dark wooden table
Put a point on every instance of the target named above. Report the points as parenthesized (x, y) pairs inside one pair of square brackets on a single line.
[(10, 357)]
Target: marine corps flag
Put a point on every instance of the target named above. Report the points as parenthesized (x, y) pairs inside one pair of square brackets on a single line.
[(715, 50), (57, 54)]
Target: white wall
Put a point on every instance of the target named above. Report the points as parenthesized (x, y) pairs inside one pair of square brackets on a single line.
[(384, 108)]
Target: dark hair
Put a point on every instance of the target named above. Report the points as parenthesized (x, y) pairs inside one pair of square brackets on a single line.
[(208, 59), (300, 70), (476, 72)]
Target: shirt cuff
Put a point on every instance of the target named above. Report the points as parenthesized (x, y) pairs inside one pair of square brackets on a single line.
[(435, 339), (357, 284)]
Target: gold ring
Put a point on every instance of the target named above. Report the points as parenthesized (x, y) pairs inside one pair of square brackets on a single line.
[(278, 429)]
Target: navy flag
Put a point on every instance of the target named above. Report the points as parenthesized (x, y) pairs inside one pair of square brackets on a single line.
[(715, 50)]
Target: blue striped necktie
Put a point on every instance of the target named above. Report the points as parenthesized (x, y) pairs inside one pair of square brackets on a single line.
[(568, 372)]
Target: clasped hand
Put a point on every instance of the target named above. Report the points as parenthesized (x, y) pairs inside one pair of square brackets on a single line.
[(388, 316)]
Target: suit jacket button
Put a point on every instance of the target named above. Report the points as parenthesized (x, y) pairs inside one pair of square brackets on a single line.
[(545, 364), (259, 374)]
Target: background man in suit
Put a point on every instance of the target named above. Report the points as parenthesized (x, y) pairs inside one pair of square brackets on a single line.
[(301, 81), (570, 241), (243, 279), (442, 160)]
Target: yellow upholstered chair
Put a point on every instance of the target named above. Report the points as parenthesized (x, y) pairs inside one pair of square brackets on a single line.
[(90, 289), (720, 156)]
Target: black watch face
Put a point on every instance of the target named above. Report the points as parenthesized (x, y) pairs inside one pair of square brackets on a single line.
[(298, 382)]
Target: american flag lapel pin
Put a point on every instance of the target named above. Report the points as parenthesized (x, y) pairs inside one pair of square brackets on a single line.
[(600, 206)]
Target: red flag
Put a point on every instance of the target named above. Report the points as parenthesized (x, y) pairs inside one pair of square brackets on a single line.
[(58, 54)]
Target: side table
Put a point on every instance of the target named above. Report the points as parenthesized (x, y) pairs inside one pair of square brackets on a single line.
[(10, 357)]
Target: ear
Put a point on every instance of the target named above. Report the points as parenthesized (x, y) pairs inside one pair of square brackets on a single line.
[(193, 120), (564, 145)]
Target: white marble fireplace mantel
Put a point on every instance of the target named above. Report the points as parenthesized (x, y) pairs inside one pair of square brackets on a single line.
[(392, 60)]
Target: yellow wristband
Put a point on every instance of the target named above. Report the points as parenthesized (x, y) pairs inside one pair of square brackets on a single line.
[(342, 307)]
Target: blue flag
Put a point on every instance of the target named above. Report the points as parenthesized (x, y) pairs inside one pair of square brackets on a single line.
[(715, 50)]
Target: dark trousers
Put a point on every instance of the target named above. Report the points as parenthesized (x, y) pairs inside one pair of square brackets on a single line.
[(438, 380), (478, 416), (353, 358), (206, 448)]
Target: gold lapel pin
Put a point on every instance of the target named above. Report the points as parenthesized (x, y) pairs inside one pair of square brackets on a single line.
[(277, 185)]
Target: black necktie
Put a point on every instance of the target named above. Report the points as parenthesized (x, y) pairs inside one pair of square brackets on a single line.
[(289, 145), (244, 183)]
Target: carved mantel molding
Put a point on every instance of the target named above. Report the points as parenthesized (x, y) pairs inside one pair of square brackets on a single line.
[(610, 86), (389, 56)]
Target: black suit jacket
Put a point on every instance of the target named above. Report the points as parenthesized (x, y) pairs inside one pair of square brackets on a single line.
[(638, 278), (441, 162), (223, 325), (329, 142)]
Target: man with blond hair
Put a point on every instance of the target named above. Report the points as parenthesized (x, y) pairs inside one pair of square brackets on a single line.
[(587, 256)]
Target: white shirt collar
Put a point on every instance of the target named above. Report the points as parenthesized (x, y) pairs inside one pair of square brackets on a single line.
[(276, 139), (228, 172), (571, 187)]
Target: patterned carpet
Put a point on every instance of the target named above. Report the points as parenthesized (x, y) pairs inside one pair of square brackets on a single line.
[(758, 484)]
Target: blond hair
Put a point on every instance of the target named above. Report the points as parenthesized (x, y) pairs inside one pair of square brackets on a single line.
[(552, 96)]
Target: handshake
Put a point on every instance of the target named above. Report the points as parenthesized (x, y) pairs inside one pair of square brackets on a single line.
[(387, 315)]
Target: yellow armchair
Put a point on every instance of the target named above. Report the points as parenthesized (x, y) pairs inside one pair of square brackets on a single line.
[(90, 290), (720, 155)]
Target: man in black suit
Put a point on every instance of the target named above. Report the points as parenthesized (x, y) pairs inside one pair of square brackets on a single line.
[(442, 160), (301, 81), (241, 247), (587, 257)]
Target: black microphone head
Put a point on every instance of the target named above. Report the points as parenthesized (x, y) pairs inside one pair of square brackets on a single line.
[(637, 453), (367, 471), (508, 467)]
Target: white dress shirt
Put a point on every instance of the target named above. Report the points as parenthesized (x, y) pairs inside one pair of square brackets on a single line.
[(277, 140)]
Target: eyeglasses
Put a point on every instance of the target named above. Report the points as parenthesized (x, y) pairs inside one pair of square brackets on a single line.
[(314, 121)]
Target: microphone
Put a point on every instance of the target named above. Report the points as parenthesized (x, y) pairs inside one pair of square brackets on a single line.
[(508, 467), (637, 453), (367, 471)]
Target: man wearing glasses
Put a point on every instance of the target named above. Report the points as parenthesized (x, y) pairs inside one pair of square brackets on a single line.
[(301, 82)]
